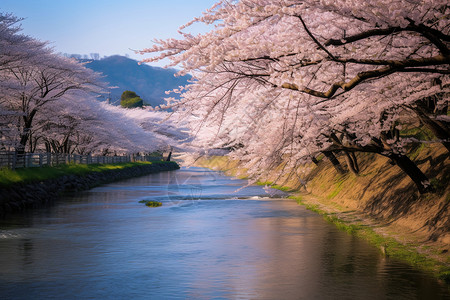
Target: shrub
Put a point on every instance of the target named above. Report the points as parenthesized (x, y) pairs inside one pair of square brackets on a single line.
[(132, 103)]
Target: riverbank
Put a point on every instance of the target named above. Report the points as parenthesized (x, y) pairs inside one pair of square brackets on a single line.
[(36, 187), (380, 204)]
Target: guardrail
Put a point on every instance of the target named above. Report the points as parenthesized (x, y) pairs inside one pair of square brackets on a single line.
[(14, 160)]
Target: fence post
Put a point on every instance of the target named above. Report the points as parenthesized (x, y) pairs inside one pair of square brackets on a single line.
[(9, 159), (14, 160)]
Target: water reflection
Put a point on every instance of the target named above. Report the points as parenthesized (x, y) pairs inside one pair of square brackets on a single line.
[(205, 242)]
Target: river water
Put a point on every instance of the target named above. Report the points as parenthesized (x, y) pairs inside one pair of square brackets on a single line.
[(207, 241)]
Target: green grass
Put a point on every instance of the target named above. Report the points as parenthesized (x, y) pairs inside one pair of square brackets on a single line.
[(275, 186), (445, 275), (338, 186), (388, 246), (264, 183), (420, 133), (9, 177), (151, 203), (415, 151), (439, 184)]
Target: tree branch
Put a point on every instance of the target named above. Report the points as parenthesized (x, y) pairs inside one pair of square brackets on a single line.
[(360, 77), (315, 40), (436, 37), (409, 65), (386, 31)]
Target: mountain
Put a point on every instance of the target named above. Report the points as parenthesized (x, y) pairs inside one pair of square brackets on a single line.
[(150, 83)]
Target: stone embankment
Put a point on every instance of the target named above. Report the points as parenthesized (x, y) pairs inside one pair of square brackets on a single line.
[(22, 196)]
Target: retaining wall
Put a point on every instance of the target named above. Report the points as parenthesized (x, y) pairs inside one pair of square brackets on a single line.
[(20, 197)]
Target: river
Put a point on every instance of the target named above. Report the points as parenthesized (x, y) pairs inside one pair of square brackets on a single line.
[(207, 241)]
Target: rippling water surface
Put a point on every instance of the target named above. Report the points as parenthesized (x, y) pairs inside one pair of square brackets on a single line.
[(206, 241)]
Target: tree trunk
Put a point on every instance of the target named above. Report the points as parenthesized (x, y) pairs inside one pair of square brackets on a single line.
[(416, 175), (355, 161), (314, 160), (336, 164), (170, 155), (437, 128), (25, 135), (48, 149), (23, 142), (352, 162)]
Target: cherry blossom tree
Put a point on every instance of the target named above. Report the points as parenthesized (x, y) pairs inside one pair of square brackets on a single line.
[(316, 76), (16, 48), (48, 103), (9, 132), (136, 130), (49, 79), (81, 124)]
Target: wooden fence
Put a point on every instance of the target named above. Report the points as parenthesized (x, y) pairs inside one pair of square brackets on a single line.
[(13, 160)]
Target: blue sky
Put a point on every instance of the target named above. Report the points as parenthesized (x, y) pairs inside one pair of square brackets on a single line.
[(104, 26)]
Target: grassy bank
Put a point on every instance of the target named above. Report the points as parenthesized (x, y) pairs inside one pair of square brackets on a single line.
[(27, 175)]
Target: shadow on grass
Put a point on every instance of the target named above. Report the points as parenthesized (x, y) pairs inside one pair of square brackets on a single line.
[(395, 199)]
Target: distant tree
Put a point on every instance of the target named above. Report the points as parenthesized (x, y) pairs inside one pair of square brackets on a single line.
[(132, 103), (95, 56), (76, 56), (130, 99), (128, 95)]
